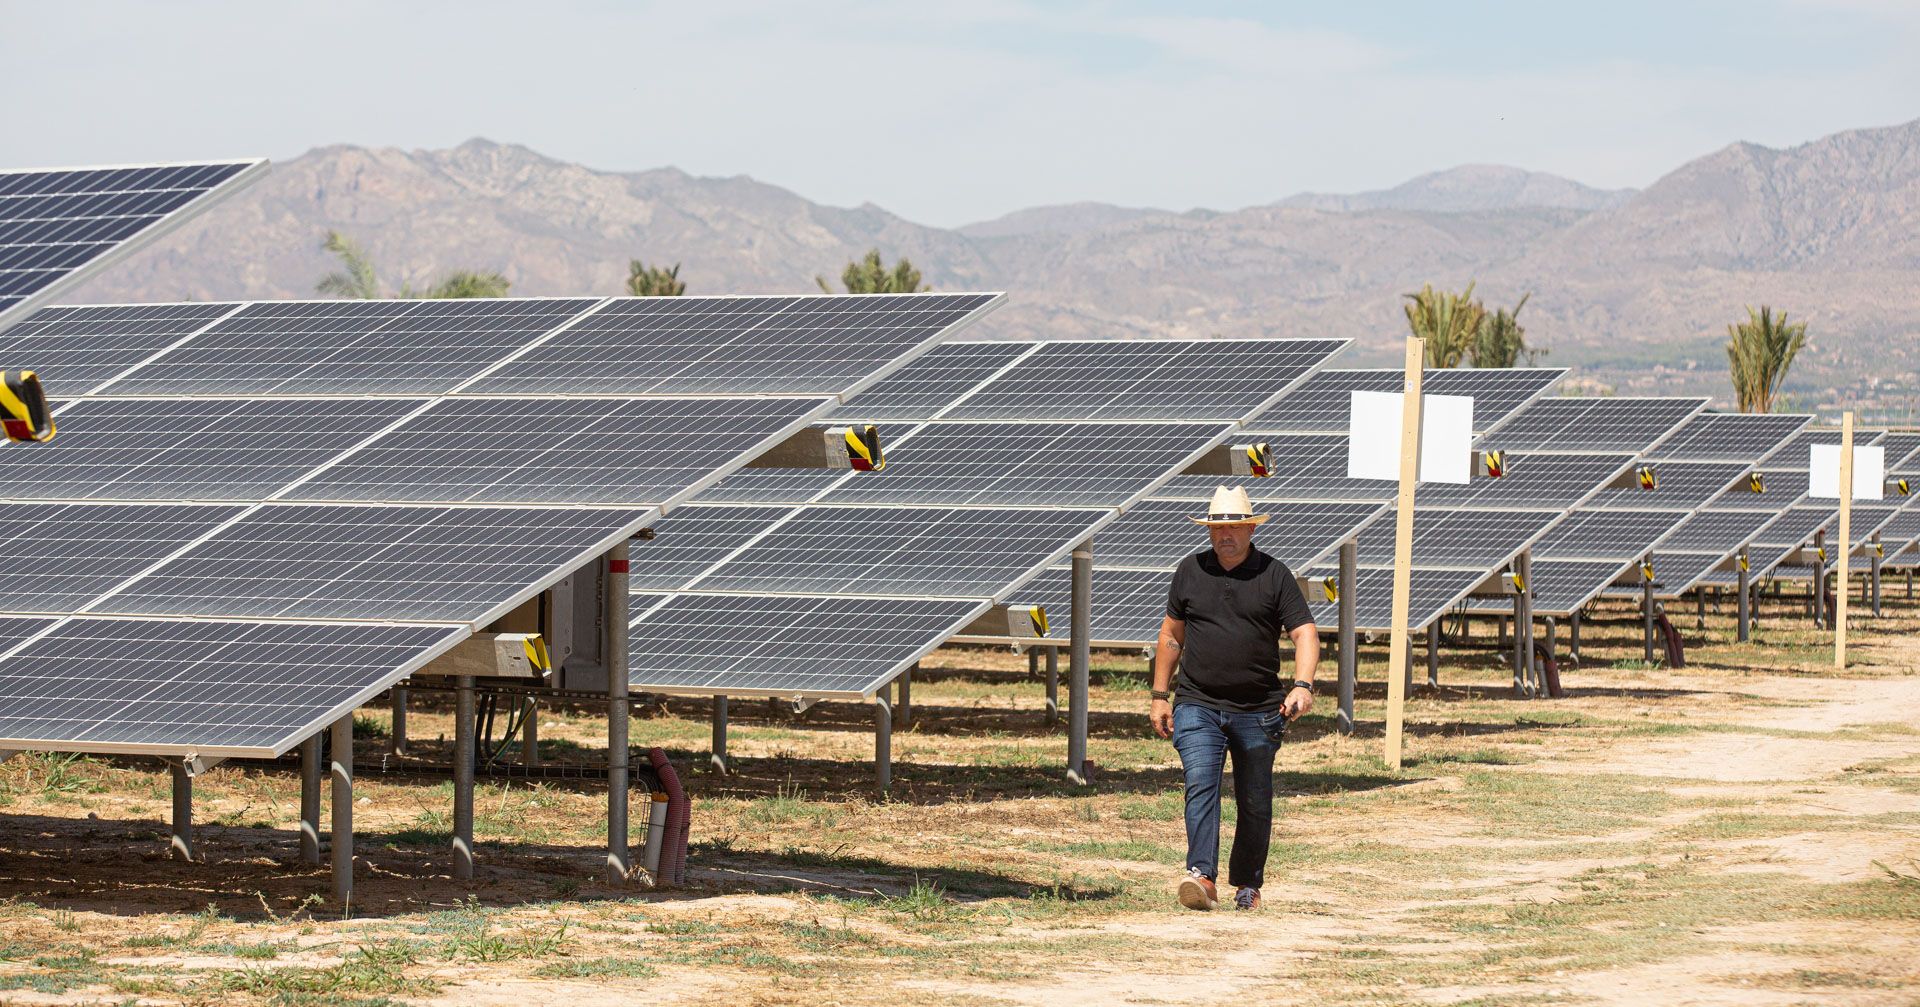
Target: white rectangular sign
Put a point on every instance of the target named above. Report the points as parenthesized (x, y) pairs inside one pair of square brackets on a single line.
[(1446, 437), (1869, 472)]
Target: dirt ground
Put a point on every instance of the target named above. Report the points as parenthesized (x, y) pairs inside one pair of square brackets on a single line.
[(1742, 831)]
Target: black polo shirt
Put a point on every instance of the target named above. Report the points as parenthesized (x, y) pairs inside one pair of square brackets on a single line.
[(1235, 619)]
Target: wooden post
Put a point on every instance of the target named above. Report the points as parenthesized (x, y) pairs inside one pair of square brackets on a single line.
[(1846, 541), (1397, 650)]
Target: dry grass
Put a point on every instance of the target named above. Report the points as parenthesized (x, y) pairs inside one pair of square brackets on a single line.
[(1593, 849)]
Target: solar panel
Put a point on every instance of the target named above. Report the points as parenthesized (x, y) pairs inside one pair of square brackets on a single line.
[(814, 344), (61, 557), (1531, 480), (59, 225), (1605, 535), (1433, 593), (1716, 531), (1156, 534), (1779, 490), (1866, 519), (1564, 586), (1324, 401), (691, 539), (1593, 424), (1797, 525), (1901, 446), (1731, 437), (398, 347), (210, 688), (582, 451), (1902, 530), (1156, 379), (16, 629), (1475, 539), (1304, 467), (812, 646), (930, 382), (1796, 454), (775, 485), (1676, 573), (1127, 604), (904, 551), (77, 349), (190, 449), (1680, 486), (447, 564), (1029, 464)]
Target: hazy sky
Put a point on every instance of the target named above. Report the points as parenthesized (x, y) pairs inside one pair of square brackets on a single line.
[(948, 113)]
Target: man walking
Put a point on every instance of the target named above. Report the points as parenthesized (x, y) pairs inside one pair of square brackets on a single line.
[(1226, 611)]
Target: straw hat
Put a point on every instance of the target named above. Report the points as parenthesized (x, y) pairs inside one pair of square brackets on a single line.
[(1230, 506)]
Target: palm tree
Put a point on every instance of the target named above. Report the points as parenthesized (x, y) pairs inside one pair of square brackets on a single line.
[(1759, 351), (1448, 322), (871, 276), (652, 281), (357, 279), (1502, 341)]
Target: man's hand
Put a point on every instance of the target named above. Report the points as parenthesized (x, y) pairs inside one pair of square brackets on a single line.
[(1162, 716), (1298, 702)]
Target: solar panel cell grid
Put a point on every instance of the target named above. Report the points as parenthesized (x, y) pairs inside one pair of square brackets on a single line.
[(60, 558), (584, 451), (1434, 592), (1304, 467), (1475, 539), (1127, 604), (188, 449), (1324, 401), (692, 539), (55, 222), (815, 646), (1616, 535), (399, 347), (1146, 379), (930, 382), (1547, 481), (443, 564), (1797, 526), (1593, 425), (912, 552), (1027, 464), (76, 349), (1796, 454), (206, 687), (1562, 587), (1680, 486), (732, 345), (1730, 437), (1156, 534), (1721, 531)]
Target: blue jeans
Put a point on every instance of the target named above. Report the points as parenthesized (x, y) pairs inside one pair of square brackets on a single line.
[(1204, 738)]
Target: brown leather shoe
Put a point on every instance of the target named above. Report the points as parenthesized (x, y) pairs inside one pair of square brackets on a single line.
[(1197, 891), (1246, 898)]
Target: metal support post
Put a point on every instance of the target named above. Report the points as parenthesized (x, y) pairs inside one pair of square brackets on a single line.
[(1348, 635), (614, 618), (310, 800), (1700, 613), (882, 742), (903, 708), (1743, 615), (1819, 580), (1033, 663), (1873, 575), (1523, 625), (1433, 656), (397, 737), (1053, 686), (1553, 643), (530, 733), (463, 759), (1500, 638), (1513, 654), (1573, 637), (719, 757), (340, 769), (1079, 670), (1646, 617), (181, 846)]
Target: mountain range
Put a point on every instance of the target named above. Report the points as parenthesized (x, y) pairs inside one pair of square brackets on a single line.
[(1632, 289)]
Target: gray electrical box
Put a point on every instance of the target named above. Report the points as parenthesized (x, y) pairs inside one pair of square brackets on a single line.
[(569, 616)]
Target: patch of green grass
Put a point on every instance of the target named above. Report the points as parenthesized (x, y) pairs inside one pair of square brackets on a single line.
[(1167, 807), (1115, 849), (597, 968), (361, 974)]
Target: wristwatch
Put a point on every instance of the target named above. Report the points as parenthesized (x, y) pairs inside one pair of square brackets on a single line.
[(1160, 694), (1301, 683)]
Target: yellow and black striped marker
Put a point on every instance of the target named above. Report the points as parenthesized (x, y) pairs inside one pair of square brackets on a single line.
[(1822, 551), (1259, 461), (1743, 563), (1037, 616), (1648, 480), (1880, 550), (24, 406), (863, 449), (1901, 485), (1519, 583), (1756, 483), (1496, 464), (1646, 570), (1331, 586)]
